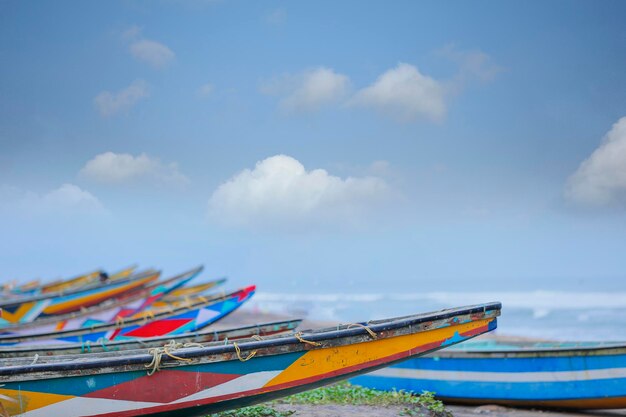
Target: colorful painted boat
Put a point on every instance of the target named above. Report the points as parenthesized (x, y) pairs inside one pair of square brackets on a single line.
[(110, 312), (193, 290), (27, 309), (203, 336), (546, 375), (190, 318), (36, 287), (195, 381), (93, 277)]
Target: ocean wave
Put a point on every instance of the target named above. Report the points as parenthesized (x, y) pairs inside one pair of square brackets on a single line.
[(540, 301)]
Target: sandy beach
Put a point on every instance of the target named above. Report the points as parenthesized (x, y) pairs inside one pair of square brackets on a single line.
[(247, 317)]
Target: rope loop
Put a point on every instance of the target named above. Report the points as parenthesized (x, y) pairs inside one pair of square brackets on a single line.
[(146, 314), (157, 356), (193, 344), (103, 342), (85, 346), (370, 331), (298, 336), (238, 351)]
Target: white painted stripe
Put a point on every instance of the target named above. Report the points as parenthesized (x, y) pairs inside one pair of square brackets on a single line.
[(561, 376), (35, 311), (80, 406), (243, 383)]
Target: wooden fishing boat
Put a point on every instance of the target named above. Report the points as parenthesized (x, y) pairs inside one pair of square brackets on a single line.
[(195, 381), (36, 287), (199, 313), (108, 312), (87, 279), (30, 352), (192, 290), (546, 375), (27, 309)]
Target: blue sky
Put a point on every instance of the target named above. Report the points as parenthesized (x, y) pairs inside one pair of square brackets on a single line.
[(328, 145)]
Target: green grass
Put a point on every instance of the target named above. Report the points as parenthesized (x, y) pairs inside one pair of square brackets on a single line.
[(254, 411), (344, 393)]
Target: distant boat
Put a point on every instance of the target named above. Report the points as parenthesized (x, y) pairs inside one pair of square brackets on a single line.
[(31, 308), (111, 311), (191, 317), (35, 287), (199, 380), (207, 335), (188, 291), (551, 375)]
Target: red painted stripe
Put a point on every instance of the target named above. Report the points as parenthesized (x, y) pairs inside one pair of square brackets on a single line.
[(157, 328), (178, 384)]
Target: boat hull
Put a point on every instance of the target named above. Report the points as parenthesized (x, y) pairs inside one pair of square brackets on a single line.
[(586, 378)]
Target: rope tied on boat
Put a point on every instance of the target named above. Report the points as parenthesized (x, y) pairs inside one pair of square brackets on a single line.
[(103, 342), (85, 346), (193, 344), (298, 335), (146, 314), (256, 337), (119, 321), (157, 355), (238, 351), (370, 331)]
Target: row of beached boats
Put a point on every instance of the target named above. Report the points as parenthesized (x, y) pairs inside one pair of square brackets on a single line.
[(132, 343)]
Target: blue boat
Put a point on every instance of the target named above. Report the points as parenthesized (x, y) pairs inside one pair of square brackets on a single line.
[(573, 375)]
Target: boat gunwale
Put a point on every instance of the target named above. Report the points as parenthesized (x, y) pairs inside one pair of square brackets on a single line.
[(215, 283), (620, 347), (328, 334)]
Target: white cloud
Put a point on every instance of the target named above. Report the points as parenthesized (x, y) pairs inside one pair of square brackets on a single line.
[(151, 52), (108, 103), (280, 192), (601, 178), (405, 94), (111, 168), (309, 90), (70, 196), (206, 90), (68, 199)]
